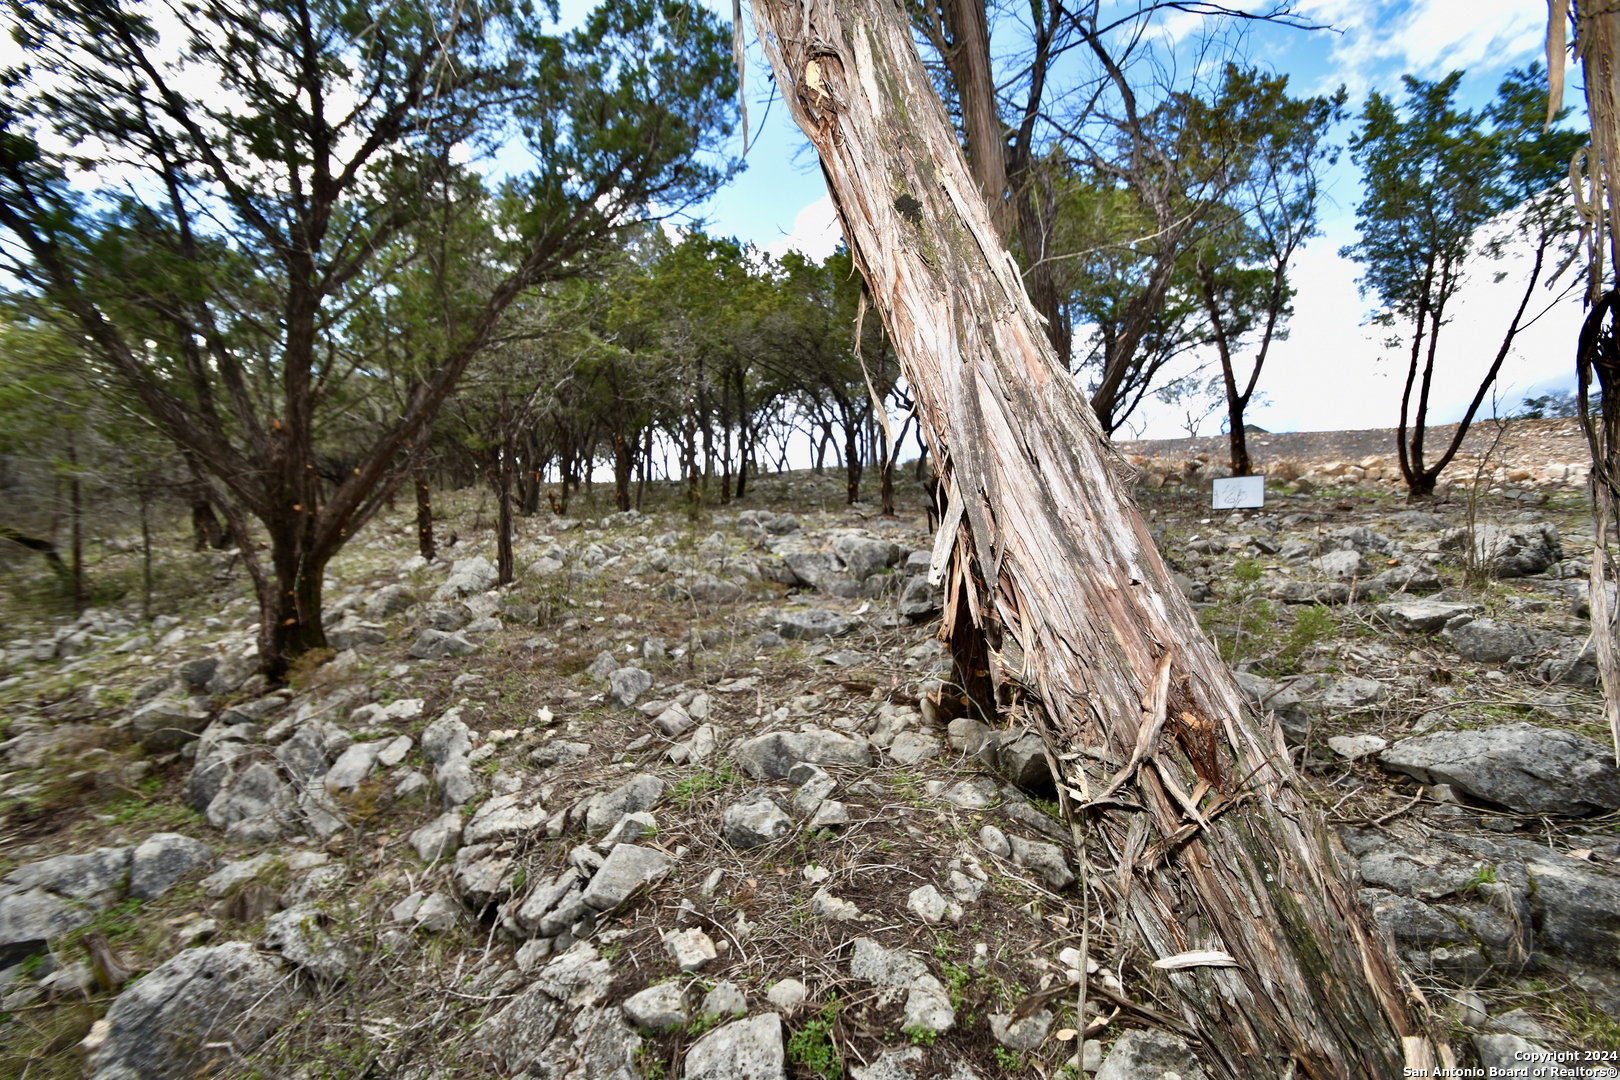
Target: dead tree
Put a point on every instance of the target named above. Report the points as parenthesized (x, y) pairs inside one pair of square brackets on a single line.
[(1058, 606)]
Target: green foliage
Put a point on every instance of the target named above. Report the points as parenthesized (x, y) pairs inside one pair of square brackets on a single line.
[(697, 784), (812, 1045), (1241, 624), (1009, 1060), (921, 1036), (1312, 625)]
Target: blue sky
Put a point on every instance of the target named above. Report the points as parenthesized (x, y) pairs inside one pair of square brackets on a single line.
[(1333, 371)]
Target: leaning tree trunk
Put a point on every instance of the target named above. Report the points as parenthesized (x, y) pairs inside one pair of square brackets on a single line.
[(1051, 572)]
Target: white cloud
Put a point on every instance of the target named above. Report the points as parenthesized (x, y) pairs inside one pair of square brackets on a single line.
[(1429, 37), (816, 232)]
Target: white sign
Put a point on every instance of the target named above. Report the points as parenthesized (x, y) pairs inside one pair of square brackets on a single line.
[(1239, 492)]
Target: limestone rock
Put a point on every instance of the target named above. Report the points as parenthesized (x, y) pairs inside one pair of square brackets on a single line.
[(812, 623), (628, 867), (741, 1050), (1520, 766), (1510, 551), (162, 859), (159, 1027), (657, 1008), (927, 1005), (437, 645), (1025, 1034), (772, 756), (751, 824), (1149, 1055)]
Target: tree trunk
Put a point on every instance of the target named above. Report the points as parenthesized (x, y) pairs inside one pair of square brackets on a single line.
[(1044, 547), (424, 513), (146, 552), (295, 607), (76, 523), (503, 489)]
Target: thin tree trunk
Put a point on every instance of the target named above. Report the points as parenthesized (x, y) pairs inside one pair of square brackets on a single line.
[(424, 513), (146, 552), (504, 562), (76, 523), (1055, 556)]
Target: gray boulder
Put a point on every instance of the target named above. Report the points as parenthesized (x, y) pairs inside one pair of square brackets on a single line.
[(1487, 641), (812, 569), (751, 824), (1343, 565), (640, 792), (159, 1028), (1523, 767), (864, 556), (299, 935), (920, 600), (1421, 616), (812, 623), (741, 1050), (389, 600), (162, 859), (437, 645), (1150, 1055), (467, 576), (628, 867), (772, 756), (167, 723), (657, 1008), (626, 684), (1510, 551)]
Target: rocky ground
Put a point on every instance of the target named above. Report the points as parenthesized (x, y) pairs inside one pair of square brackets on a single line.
[(673, 805)]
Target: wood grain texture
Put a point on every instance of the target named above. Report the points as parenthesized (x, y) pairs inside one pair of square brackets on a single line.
[(1051, 554)]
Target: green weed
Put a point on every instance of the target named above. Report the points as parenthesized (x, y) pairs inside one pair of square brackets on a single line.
[(812, 1045)]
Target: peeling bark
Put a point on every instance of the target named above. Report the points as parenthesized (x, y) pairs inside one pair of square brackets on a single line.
[(1049, 561)]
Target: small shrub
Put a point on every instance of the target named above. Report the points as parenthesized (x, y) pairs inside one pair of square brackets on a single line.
[(812, 1045)]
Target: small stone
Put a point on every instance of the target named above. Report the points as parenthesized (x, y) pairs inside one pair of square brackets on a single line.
[(751, 824), (741, 1050), (831, 812), (787, 995), (439, 838), (1138, 1054), (437, 914), (726, 999), (1026, 1034), (657, 1008), (824, 905), (927, 904), (628, 868), (690, 948), (911, 747), (626, 684), (994, 841), (1355, 747)]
